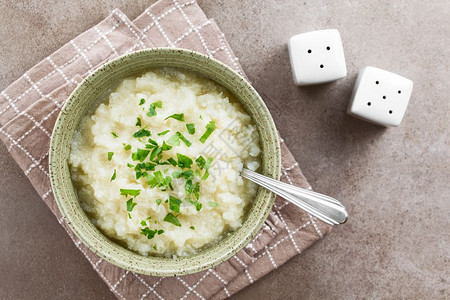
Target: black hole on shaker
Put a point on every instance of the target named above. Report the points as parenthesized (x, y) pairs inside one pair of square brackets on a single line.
[(309, 51), (384, 97), (369, 104), (321, 66), (328, 48), (399, 92), (390, 112), (377, 82)]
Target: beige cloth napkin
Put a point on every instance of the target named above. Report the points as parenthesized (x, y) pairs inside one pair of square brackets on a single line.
[(29, 107)]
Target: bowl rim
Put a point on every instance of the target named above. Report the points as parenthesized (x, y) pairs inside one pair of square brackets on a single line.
[(86, 239)]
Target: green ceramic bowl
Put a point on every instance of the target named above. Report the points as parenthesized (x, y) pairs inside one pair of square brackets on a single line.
[(97, 85)]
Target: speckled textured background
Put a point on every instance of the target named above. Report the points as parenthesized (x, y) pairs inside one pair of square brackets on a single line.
[(394, 182)]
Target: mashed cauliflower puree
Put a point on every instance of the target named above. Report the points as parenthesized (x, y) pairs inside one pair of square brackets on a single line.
[(157, 165)]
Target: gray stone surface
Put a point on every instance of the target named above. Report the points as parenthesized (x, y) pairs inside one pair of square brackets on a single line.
[(394, 182)]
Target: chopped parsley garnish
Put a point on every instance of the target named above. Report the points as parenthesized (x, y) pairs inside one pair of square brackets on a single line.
[(138, 122), (172, 219), (142, 133), (114, 134), (130, 165), (158, 201), (208, 163), (188, 187), (165, 147), (174, 140), (142, 101), (156, 151), (139, 155), (185, 140), (190, 128), (127, 147), (154, 247), (158, 179), (113, 175), (179, 117), (200, 161), (213, 204), (210, 127), (143, 223), (192, 227), (133, 193), (141, 169), (174, 204), (110, 155), (164, 132), (131, 205), (184, 161), (206, 175), (172, 161), (196, 190), (198, 205), (151, 233), (152, 109)]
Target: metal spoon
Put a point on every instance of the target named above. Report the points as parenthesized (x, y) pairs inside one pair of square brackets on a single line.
[(323, 207)]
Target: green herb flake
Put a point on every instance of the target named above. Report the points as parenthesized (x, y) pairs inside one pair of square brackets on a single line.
[(148, 232), (174, 204), (184, 161), (170, 218), (164, 132), (192, 227), (158, 201), (139, 155), (126, 192), (138, 122), (142, 133), (131, 205), (127, 147), (200, 161), (198, 205), (206, 175), (114, 134), (174, 140), (172, 161), (165, 147), (110, 155), (213, 204), (113, 175), (130, 165), (196, 190), (143, 223), (210, 127), (129, 215), (190, 128), (188, 187), (142, 101), (152, 142), (156, 151), (185, 140), (152, 111), (154, 247), (208, 163), (179, 117), (158, 104)]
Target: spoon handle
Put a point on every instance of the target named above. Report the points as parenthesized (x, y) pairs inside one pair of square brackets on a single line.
[(323, 207)]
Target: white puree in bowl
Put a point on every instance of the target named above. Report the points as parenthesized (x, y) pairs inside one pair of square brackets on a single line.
[(224, 195)]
